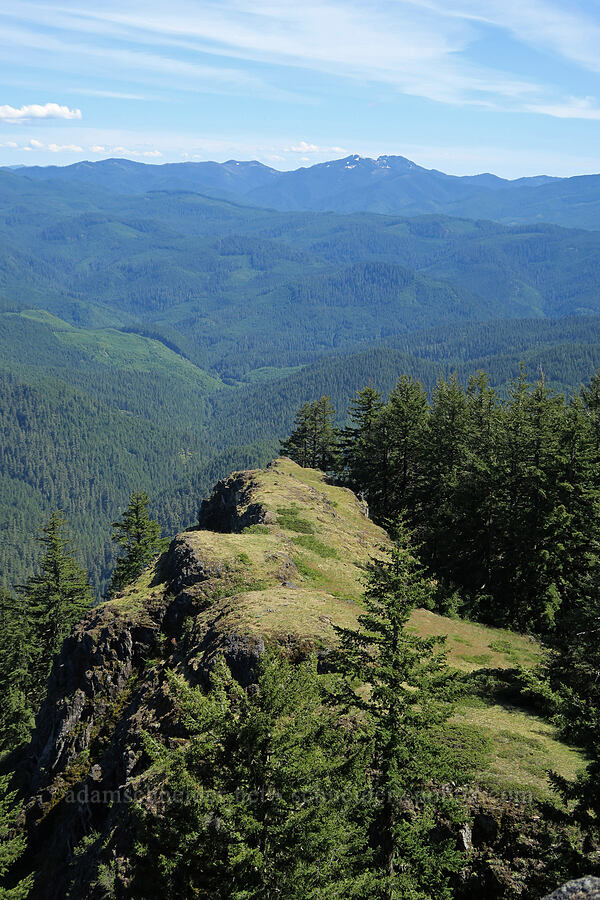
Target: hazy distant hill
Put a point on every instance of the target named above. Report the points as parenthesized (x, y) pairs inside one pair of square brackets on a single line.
[(389, 184)]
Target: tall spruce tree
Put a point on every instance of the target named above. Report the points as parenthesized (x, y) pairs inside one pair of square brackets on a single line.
[(55, 599), (408, 696), (139, 537), (444, 450), (16, 718), (405, 418), (364, 449), (314, 441), (12, 844), (533, 537), (470, 539), (299, 445), (259, 803)]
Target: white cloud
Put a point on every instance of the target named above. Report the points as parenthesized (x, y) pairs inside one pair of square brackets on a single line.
[(37, 145), (152, 153), (564, 29), (96, 148), (141, 65), (65, 148), (401, 43), (304, 147), (574, 108), (24, 114), (12, 145), (112, 95)]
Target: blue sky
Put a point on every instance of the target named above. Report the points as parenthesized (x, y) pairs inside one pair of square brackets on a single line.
[(509, 86)]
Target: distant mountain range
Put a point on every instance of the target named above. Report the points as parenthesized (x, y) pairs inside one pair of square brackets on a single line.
[(159, 328), (391, 185)]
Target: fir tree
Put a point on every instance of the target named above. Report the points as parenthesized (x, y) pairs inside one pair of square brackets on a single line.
[(408, 696), (298, 445), (470, 526), (16, 719), (56, 598), (12, 844), (444, 451), (314, 441), (533, 538), (264, 777), (404, 417), (139, 537), (364, 455)]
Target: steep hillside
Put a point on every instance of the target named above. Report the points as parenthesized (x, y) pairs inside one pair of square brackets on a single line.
[(60, 381), (277, 558)]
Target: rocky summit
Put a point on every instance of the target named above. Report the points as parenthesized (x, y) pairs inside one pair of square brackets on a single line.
[(277, 556)]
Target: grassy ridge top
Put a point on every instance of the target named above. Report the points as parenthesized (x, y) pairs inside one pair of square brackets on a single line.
[(297, 571)]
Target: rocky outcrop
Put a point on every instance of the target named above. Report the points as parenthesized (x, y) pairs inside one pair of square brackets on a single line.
[(230, 508), (91, 672), (218, 591), (581, 889), (109, 686)]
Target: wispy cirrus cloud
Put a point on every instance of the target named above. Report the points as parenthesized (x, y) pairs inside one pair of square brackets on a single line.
[(566, 30), (143, 63), (574, 108), (36, 111), (216, 72), (419, 47)]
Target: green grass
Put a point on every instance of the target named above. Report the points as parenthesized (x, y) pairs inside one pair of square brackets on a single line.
[(310, 542), (306, 570), (259, 584), (290, 519), (480, 660), (472, 646), (524, 748)]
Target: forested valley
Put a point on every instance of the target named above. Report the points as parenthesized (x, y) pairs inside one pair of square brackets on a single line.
[(154, 341)]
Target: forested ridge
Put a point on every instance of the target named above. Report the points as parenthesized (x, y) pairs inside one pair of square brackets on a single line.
[(190, 326), (388, 184), (134, 414)]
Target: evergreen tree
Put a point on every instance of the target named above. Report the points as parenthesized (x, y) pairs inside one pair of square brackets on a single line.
[(16, 719), (533, 537), (590, 397), (405, 419), (139, 537), (259, 806), (314, 441), (298, 445), (582, 798), (364, 457), (444, 453), (56, 598), (469, 535), (408, 696), (12, 844)]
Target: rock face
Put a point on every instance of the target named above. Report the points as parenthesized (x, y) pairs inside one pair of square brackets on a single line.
[(218, 590), (581, 889), (230, 508)]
